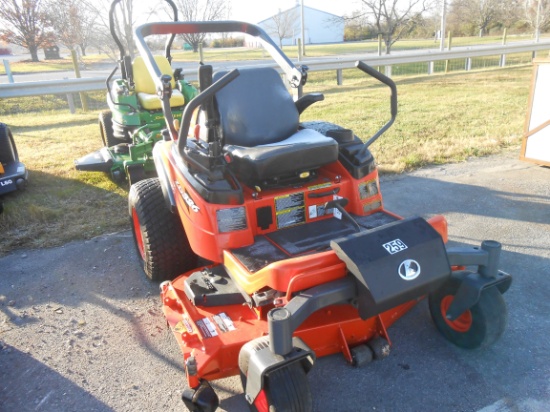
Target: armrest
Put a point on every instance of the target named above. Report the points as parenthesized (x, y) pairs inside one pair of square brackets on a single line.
[(307, 100)]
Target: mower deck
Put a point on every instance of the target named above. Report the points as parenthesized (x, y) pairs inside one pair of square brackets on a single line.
[(300, 257), (215, 335)]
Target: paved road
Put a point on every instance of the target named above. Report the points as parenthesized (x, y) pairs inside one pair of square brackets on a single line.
[(81, 329), (104, 69)]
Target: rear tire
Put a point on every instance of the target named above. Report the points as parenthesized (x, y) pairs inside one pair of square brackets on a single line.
[(8, 151), (478, 327), (106, 128), (162, 246)]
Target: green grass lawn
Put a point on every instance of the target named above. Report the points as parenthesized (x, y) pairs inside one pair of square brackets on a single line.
[(442, 118)]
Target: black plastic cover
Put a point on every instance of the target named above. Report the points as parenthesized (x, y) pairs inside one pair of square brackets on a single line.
[(12, 173), (394, 264), (212, 287), (98, 161), (353, 155)]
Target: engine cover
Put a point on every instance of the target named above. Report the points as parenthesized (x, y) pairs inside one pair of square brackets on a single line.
[(394, 263)]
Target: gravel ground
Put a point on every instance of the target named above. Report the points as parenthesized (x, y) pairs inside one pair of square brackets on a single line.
[(82, 329)]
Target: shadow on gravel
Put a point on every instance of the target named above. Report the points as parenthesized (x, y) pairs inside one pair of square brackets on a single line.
[(28, 385), (439, 196)]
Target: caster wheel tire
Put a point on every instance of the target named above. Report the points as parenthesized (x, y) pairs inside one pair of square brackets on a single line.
[(380, 347), (162, 246), (478, 327), (361, 355), (106, 129)]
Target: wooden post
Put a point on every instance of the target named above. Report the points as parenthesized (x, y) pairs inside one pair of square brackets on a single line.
[(70, 100), (83, 97), (300, 55), (339, 77), (447, 61), (201, 56)]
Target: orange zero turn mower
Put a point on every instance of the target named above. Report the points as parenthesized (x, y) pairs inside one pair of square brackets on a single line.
[(271, 239)]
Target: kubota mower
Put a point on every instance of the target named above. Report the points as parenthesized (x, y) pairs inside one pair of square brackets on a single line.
[(303, 258), (13, 173), (134, 121)]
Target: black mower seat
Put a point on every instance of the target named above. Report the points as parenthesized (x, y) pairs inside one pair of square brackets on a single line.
[(145, 86), (260, 127)]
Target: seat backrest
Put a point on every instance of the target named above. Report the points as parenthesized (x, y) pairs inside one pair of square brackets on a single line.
[(256, 108), (143, 80)]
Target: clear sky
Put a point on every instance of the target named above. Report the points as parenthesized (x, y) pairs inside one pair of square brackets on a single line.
[(254, 11)]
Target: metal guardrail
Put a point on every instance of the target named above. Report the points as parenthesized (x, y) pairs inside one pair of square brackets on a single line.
[(24, 89), (64, 86)]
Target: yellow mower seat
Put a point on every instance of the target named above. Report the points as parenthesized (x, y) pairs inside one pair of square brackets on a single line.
[(145, 86)]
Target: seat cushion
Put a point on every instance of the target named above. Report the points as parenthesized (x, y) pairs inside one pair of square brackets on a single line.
[(305, 150), (152, 101)]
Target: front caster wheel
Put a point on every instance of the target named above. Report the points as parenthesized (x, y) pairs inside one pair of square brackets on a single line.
[(202, 399), (478, 327)]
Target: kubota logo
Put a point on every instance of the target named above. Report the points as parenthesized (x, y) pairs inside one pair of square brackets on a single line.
[(409, 269), (190, 202), (187, 199)]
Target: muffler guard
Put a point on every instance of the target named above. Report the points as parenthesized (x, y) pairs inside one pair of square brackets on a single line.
[(394, 264)]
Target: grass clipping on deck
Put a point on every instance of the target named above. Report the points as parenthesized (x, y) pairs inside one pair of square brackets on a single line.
[(441, 119)]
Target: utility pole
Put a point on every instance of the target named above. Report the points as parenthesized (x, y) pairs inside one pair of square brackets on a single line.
[(303, 29), (537, 28), (442, 29)]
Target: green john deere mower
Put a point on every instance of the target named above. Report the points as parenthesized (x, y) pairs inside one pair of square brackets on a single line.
[(135, 120)]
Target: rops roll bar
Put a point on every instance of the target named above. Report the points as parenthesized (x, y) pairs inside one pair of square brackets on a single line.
[(371, 71)]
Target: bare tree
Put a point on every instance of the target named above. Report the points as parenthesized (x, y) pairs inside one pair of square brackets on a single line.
[(537, 15), (73, 22), (394, 19), (124, 24), (510, 13), (478, 14), (283, 25), (201, 10), (25, 24), (356, 26)]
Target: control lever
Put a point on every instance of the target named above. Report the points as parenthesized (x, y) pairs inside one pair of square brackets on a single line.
[(340, 204)]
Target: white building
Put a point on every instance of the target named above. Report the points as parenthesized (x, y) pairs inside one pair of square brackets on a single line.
[(319, 26)]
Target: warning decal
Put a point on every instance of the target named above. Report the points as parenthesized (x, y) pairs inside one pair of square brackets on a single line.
[(289, 201), (225, 324), (207, 328), (368, 189), (290, 210), (319, 186)]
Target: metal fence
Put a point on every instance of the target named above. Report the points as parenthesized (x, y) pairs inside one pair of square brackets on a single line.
[(430, 61)]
